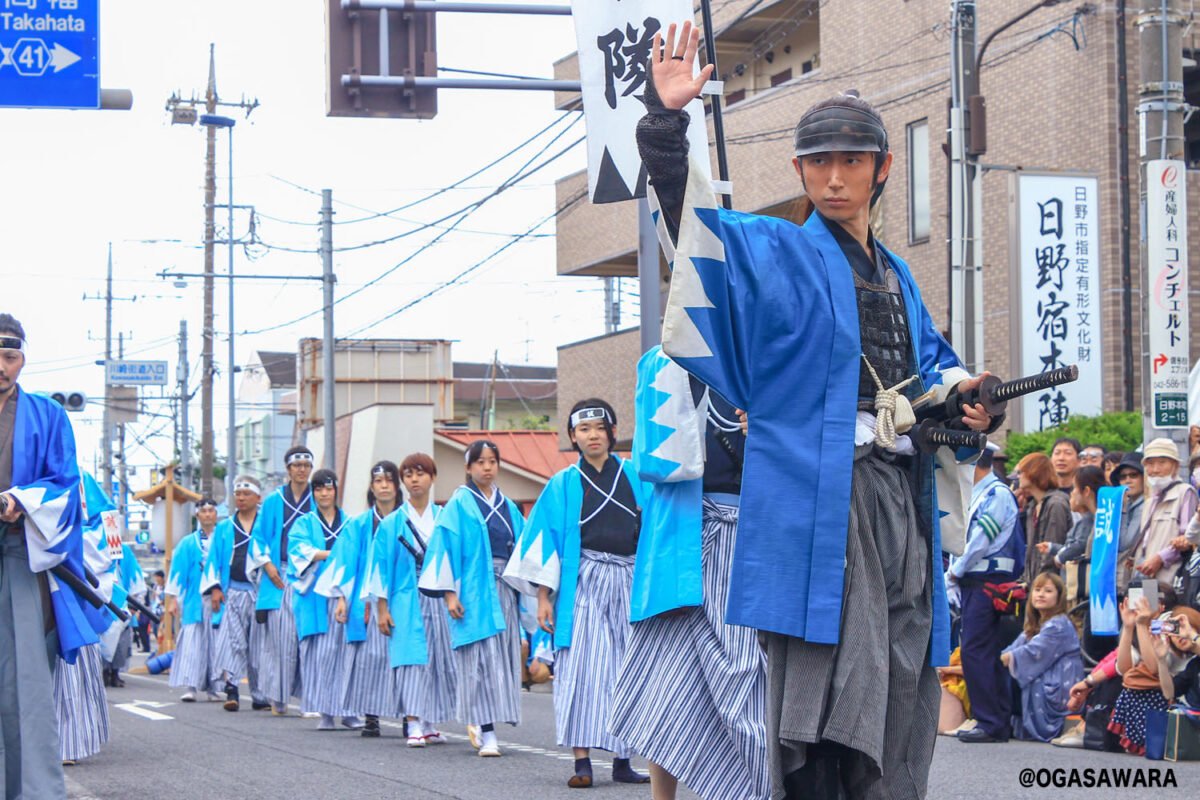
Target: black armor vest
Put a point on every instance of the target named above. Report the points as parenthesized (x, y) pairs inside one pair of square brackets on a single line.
[(885, 338)]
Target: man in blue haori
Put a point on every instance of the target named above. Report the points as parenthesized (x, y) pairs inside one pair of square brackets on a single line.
[(821, 336), (40, 615)]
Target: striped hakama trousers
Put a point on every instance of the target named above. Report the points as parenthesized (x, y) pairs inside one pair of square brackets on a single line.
[(585, 673), (489, 671), (369, 685), (29, 746), (192, 666), (278, 648), (429, 690), (871, 701), (691, 693), (233, 654), (81, 704), (322, 668)]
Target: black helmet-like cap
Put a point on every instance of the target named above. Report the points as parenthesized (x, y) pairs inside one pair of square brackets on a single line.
[(845, 123)]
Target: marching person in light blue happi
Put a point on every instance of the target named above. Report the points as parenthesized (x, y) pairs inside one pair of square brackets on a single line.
[(229, 574), (323, 643), (415, 623), (273, 636), (368, 684), (195, 646), (470, 547), (578, 550)]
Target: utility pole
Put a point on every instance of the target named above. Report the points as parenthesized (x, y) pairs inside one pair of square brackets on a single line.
[(327, 344), (612, 304), (486, 420), (185, 444), (106, 438), (962, 273), (124, 473), (1163, 196), (184, 112)]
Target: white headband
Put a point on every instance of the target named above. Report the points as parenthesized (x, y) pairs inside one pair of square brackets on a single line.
[(248, 486), (584, 414), (380, 470), (295, 457), (486, 446)]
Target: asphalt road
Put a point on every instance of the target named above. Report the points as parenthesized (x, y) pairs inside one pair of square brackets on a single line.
[(161, 748)]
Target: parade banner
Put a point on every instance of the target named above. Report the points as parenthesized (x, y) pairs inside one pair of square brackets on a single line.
[(1058, 261), (114, 530), (1166, 311), (1102, 580), (614, 39)]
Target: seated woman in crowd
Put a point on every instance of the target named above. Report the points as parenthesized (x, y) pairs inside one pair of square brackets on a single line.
[(1180, 682), (1044, 660)]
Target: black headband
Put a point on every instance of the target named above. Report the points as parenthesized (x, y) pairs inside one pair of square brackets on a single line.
[(12, 343)]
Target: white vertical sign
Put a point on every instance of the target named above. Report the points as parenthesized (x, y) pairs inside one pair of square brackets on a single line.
[(614, 39), (1167, 306), (1059, 266)]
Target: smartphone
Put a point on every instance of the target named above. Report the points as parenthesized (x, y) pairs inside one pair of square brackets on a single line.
[(1158, 626), (1134, 594), (1150, 590)]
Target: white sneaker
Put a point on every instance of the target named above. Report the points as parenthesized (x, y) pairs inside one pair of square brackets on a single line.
[(474, 734), (213, 697), (353, 723), (489, 747), (188, 697), (1070, 738), (327, 723)]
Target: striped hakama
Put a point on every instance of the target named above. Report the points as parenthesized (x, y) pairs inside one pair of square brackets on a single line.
[(691, 693), (585, 673), (192, 666), (489, 671), (322, 668), (369, 685), (81, 705), (429, 690), (233, 654), (29, 746), (872, 700), (278, 648)]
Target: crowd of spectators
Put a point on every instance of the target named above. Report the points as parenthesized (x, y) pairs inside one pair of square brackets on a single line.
[(1029, 666)]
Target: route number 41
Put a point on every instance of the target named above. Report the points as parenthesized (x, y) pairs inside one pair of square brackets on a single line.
[(31, 57)]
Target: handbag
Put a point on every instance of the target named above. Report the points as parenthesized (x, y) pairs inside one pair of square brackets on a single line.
[(1096, 735), (1182, 737), (1156, 733), (1007, 598)]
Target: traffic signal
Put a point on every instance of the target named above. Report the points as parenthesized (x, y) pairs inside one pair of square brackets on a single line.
[(71, 401), (352, 60)]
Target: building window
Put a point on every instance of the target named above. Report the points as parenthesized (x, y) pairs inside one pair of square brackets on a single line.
[(735, 97), (918, 182), (780, 77)]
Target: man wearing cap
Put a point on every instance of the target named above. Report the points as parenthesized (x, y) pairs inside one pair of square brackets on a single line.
[(229, 574), (274, 633), (995, 553), (821, 336), (192, 666), (1128, 474), (40, 529), (1170, 506)]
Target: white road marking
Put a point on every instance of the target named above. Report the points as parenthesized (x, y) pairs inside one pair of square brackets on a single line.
[(136, 708)]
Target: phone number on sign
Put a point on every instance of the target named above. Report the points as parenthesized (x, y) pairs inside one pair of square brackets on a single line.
[(1103, 777)]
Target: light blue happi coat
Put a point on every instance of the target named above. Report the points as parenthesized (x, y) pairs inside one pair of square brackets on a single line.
[(393, 576), (547, 552), (45, 481), (187, 569), (765, 312), (220, 557), (273, 516), (305, 539), (668, 451), (345, 573), (459, 560)]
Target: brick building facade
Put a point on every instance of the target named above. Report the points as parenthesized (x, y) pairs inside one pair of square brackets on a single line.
[(1051, 89)]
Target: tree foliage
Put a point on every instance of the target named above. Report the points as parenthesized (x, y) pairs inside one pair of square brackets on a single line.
[(1118, 430)]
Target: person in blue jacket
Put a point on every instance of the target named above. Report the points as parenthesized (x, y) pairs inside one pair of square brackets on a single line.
[(191, 666), (578, 548)]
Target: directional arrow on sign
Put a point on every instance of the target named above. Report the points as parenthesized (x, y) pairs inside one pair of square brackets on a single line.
[(62, 58)]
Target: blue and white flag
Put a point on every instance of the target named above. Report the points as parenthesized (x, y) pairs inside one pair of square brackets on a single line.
[(1103, 577)]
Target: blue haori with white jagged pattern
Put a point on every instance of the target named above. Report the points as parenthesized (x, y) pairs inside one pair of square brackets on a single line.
[(764, 312)]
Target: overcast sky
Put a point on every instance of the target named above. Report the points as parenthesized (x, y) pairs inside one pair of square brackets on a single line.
[(75, 181)]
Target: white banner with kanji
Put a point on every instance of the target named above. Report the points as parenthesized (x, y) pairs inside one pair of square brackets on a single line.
[(1167, 306), (1059, 274), (614, 39)]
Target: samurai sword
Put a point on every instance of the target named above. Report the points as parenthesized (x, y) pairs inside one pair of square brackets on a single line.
[(418, 557), (994, 394), (84, 590), (929, 437)]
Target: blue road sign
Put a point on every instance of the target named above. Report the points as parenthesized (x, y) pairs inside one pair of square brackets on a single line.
[(136, 373), (50, 53)]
